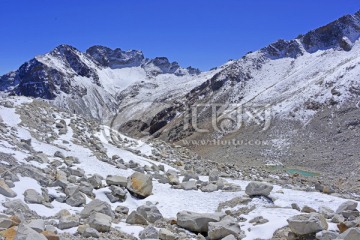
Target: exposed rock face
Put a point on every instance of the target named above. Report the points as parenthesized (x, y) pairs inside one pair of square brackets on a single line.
[(140, 184), (307, 223), (149, 233), (258, 189), (197, 222)]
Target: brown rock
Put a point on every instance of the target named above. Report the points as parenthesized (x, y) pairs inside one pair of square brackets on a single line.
[(50, 235)]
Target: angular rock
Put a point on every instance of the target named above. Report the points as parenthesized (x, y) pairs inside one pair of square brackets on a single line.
[(96, 181), (149, 233), (5, 223), (5, 190), (59, 154), (31, 196), (197, 222), (326, 235), (76, 200), (140, 185), (37, 225), (116, 180), (150, 212), (350, 234), (258, 189), (50, 235), (209, 188), (190, 185), (165, 234), (214, 176), (135, 218), (172, 177), (91, 232), (26, 233), (227, 226), (307, 223), (327, 212), (97, 206), (122, 209), (100, 222), (347, 206), (69, 221)]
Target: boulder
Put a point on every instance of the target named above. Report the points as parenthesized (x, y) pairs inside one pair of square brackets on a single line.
[(326, 235), (140, 185), (258, 189), (307, 223), (5, 190), (350, 234), (76, 200), (150, 212), (5, 223), (37, 225), (116, 180), (136, 218), (227, 226), (68, 221), (50, 235), (172, 177), (197, 222), (214, 176), (327, 212), (165, 234), (190, 185), (100, 222), (122, 209), (149, 233), (31, 196), (347, 206), (96, 181), (209, 188), (97, 206), (24, 232), (91, 233)]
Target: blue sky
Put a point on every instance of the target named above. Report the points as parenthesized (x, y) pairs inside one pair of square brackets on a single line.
[(200, 33)]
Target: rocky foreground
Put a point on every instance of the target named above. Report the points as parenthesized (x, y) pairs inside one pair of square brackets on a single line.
[(66, 177)]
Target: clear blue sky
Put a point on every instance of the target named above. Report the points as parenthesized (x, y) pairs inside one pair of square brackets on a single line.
[(200, 33)]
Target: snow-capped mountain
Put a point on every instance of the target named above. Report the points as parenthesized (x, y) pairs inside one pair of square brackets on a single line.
[(300, 97), (87, 83)]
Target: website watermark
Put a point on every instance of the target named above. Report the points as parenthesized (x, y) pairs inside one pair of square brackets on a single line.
[(232, 142)]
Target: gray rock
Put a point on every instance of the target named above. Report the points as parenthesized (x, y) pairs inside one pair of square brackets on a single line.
[(135, 218), (59, 154), (100, 222), (97, 206), (307, 223), (214, 176), (76, 200), (327, 212), (96, 181), (122, 209), (37, 225), (69, 221), (258, 220), (227, 226), (258, 189), (172, 177), (116, 180), (91, 232), (118, 192), (9, 183), (326, 235), (31, 196), (209, 188), (165, 234), (229, 237), (307, 209), (190, 185), (5, 223), (347, 206), (5, 190), (140, 185), (295, 206), (77, 172), (150, 212), (350, 234), (86, 188), (17, 206), (337, 218), (26, 233), (149, 233), (197, 222)]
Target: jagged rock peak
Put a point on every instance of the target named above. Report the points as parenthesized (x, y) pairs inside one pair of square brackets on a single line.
[(116, 58)]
